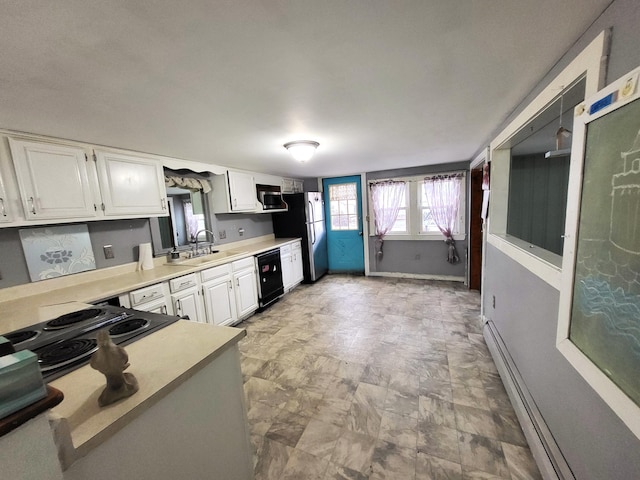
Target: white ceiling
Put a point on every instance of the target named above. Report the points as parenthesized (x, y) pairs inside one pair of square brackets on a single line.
[(380, 84)]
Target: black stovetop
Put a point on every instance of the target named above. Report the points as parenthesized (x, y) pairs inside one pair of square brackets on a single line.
[(67, 342)]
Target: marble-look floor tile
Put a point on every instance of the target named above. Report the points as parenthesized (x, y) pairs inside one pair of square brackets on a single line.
[(287, 428), (438, 441), (392, 462), (475, 420), (436, 411), (399, 429), (482, 453), (340, 472), (354, 450), (401, 403), (272, 460), (319, 438), (358, 378), (520, 462), (304, 466), (470, 396), (429, 467)]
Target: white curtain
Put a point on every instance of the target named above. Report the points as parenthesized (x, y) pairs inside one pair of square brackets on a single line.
[(190, 221), (443, 200), (386, 199), (189, 183)]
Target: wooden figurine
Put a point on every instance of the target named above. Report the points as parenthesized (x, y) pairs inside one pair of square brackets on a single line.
[(111, 361)]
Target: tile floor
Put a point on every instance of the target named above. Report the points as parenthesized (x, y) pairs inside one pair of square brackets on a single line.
[(377, 378)]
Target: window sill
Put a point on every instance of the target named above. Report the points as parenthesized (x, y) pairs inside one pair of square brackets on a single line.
[(540, 262), (429, 237)]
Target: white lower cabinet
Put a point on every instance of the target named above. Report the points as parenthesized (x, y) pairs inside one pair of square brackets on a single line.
[(291, 260), (218, 294), (287, 267), (185, 298), (296, 261), (245, 286)]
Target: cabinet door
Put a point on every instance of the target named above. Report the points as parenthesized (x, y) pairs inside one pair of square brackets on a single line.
[(242, 190), (296, 261), (187, 303), (246, 291), (131, 185), (287, 270), (6, 215), (219, 301), (53, 180)]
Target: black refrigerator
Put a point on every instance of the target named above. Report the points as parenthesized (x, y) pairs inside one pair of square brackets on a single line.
[(305, 219)]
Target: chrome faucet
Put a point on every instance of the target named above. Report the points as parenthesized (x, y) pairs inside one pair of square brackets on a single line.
[(213, 238)]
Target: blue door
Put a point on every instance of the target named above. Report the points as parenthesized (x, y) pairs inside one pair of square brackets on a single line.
[(343, 213)]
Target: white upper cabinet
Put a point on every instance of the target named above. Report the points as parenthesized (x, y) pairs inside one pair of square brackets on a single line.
[(54, 180), (131, 185), (234, 192), (6, 212)]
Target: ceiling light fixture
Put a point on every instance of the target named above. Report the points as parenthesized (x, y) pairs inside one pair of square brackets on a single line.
[(302, 150)]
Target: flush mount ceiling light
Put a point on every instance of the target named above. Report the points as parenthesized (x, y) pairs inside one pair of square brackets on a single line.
[(302, 150)]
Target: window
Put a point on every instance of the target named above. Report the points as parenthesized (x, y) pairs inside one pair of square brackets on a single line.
[(415, 219), (344, 206), (453, 186)]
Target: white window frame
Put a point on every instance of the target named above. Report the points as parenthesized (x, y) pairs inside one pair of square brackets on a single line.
[(414, 209)]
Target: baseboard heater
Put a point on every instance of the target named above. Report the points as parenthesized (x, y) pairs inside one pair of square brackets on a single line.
[(545, 450)]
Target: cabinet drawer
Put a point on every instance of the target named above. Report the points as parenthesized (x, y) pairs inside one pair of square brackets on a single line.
[(183, 282), (248, 262), (215, 272), (285, 249), (146, 294)]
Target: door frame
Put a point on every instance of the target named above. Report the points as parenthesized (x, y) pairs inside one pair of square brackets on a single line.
[(364, 214), (478, 162)]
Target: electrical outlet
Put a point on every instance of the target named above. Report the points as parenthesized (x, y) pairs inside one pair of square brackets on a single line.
[(241, 231), (108, 251), (222, 234)]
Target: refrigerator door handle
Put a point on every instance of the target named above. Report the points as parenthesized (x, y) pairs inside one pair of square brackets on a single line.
[(311, 214), (312, 227)]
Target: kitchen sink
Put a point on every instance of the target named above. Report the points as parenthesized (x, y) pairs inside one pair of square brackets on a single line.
[(209, 258)]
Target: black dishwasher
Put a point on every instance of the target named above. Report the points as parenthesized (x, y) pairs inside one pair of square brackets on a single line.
[(270, 286)]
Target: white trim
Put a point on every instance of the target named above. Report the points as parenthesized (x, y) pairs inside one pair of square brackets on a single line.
[(481, 158), (543, 269), (418, 276), (616, 399), (365, 223)]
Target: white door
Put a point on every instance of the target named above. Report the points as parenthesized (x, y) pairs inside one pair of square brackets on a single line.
[(220, 302), (242, 188), (246, 290), (131, 185), (187, 304), (53, 180)]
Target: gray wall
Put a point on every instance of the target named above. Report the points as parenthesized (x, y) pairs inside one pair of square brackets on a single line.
[(425, 257), (124, 235), (596, 444)]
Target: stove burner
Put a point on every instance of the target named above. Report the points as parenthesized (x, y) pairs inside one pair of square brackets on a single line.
[(128, 326), (19, 337), (65, 351), (72, 318)]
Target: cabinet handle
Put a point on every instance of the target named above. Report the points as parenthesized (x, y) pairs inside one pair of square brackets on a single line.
[(4, 211), (33, 205), (178, 306), (230, 285), (163, 309), (163, 203), (238, 282)]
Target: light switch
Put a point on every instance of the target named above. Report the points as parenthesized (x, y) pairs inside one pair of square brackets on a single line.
[(108, 251)]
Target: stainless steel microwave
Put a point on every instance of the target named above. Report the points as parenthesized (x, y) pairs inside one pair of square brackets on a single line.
[(271, 200)]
